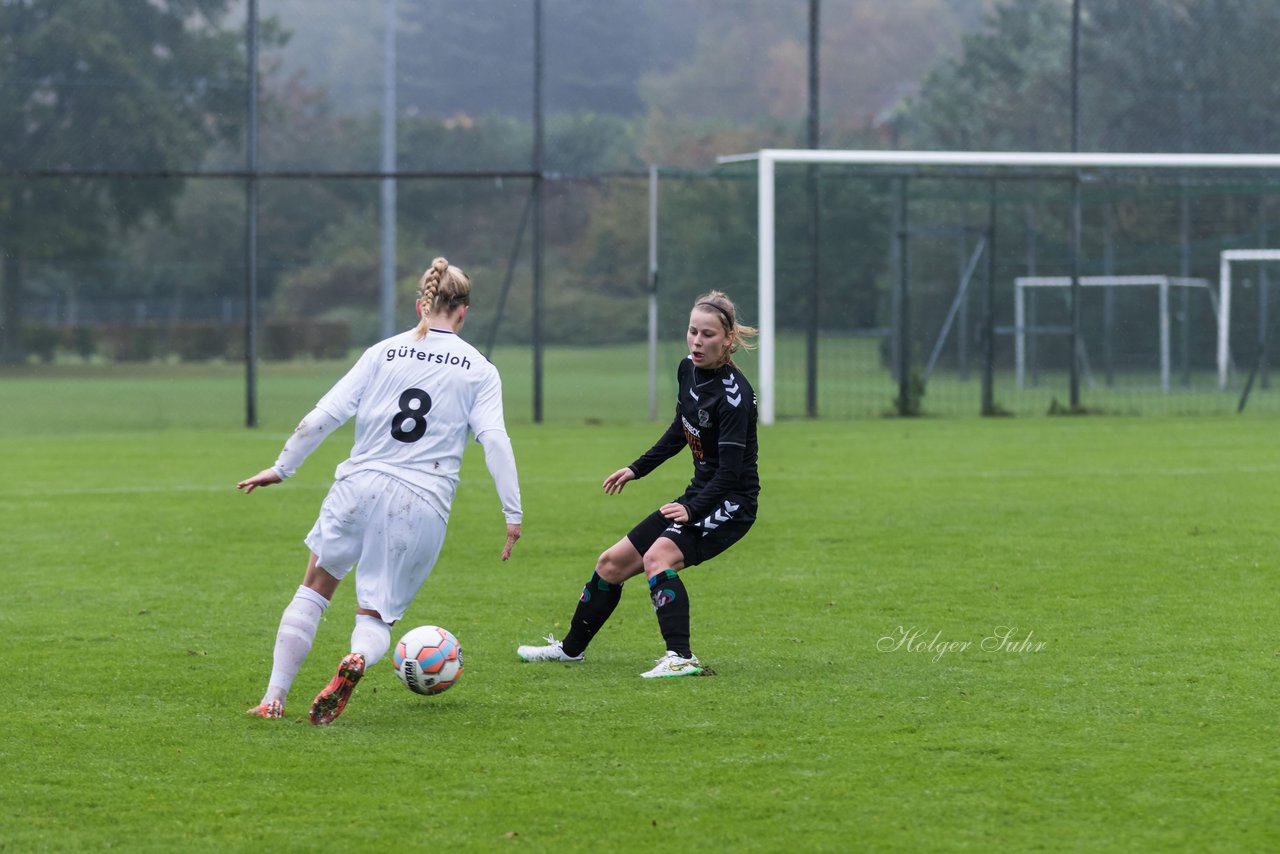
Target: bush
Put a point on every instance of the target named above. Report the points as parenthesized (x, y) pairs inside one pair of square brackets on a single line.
[(41, 341), (281, 340), (135, 343), (193, 341), (80, 340), (196, 342)]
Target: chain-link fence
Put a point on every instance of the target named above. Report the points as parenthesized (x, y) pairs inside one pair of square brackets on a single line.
[(146, 198)]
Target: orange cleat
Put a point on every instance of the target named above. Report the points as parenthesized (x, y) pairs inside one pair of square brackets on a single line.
[(269, 710), (330, 702)]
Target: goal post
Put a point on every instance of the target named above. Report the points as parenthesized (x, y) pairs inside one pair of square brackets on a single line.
[(989, 165), (1224, 302)]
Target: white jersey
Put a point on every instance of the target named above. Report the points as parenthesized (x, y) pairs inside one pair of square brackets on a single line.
[(415, 402)]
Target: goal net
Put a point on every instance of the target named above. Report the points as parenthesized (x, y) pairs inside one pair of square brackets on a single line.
[(916, 220), (1135, 326)]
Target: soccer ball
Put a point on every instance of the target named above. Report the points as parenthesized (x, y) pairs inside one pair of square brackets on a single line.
[(428, 660)]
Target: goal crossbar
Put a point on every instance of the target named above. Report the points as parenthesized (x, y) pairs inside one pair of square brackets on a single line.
[(1009, 159), (767, 159)]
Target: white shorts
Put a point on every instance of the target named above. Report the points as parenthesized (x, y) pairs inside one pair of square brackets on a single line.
[(393, 534)]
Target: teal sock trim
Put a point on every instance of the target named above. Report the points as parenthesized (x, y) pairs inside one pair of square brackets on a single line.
[(665, 574)]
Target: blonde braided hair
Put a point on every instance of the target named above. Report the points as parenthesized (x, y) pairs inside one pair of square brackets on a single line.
[(443, 288)]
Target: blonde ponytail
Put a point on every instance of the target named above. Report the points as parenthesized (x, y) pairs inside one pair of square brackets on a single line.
[(443, 288)]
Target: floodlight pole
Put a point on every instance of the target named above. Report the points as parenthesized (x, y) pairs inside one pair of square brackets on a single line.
[(1077, 218), (902, 350), (988, 312), (251, 225), (815, 243), (388, 277), (537, 211)]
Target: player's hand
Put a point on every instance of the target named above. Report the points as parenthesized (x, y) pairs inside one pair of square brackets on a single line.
[(513, 534), (266, 477), (613, 483), (674, 512)]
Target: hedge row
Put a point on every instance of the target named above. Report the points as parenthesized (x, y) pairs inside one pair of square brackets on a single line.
[(188, 341)]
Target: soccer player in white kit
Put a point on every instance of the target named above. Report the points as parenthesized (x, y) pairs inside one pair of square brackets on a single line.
[(416, 397)]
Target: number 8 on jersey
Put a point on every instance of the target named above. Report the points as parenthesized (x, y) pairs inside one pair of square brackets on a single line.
[(410, 423)]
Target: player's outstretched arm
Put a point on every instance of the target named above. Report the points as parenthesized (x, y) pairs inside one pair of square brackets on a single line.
[(307, 436), (614, 483), (266, 477)]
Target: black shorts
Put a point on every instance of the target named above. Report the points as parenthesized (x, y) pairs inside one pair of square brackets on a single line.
[(698, 541)]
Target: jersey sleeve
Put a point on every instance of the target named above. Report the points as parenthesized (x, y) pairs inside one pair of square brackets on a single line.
[(343, 399), (735, 416), (334, 409), (489, 426), (501, 461), (486, 413), (668, 445), (314, 428)]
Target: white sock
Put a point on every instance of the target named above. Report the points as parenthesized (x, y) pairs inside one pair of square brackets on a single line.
[(293, 640), (371, 638)]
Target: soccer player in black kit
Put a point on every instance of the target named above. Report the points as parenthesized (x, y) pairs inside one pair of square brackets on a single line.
[(716, 419)]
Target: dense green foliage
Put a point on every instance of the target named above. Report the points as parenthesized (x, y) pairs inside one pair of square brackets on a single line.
[(1183, 75), (111, 88), (645, 82)]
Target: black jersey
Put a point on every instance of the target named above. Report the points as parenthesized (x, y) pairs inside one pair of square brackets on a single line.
[(716, 419)]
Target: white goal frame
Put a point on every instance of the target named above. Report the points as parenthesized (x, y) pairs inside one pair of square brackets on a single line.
[(767, 159), (1224, 300), (1162, 283)]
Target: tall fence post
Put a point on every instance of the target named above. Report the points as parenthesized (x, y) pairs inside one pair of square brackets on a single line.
[(902, 354), (653, 293), (989, 311)]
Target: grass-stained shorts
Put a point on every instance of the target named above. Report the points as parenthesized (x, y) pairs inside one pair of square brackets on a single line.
[(384, 529)]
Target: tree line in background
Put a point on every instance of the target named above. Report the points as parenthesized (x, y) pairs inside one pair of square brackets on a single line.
[(139, 86)]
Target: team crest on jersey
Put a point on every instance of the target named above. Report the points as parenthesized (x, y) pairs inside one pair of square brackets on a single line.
[(704, 418)]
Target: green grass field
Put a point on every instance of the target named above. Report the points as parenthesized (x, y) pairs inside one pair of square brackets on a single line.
[(862, 699)]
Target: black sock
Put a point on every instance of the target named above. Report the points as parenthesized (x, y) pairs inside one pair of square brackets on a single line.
[(597, 602), (671, 604)]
